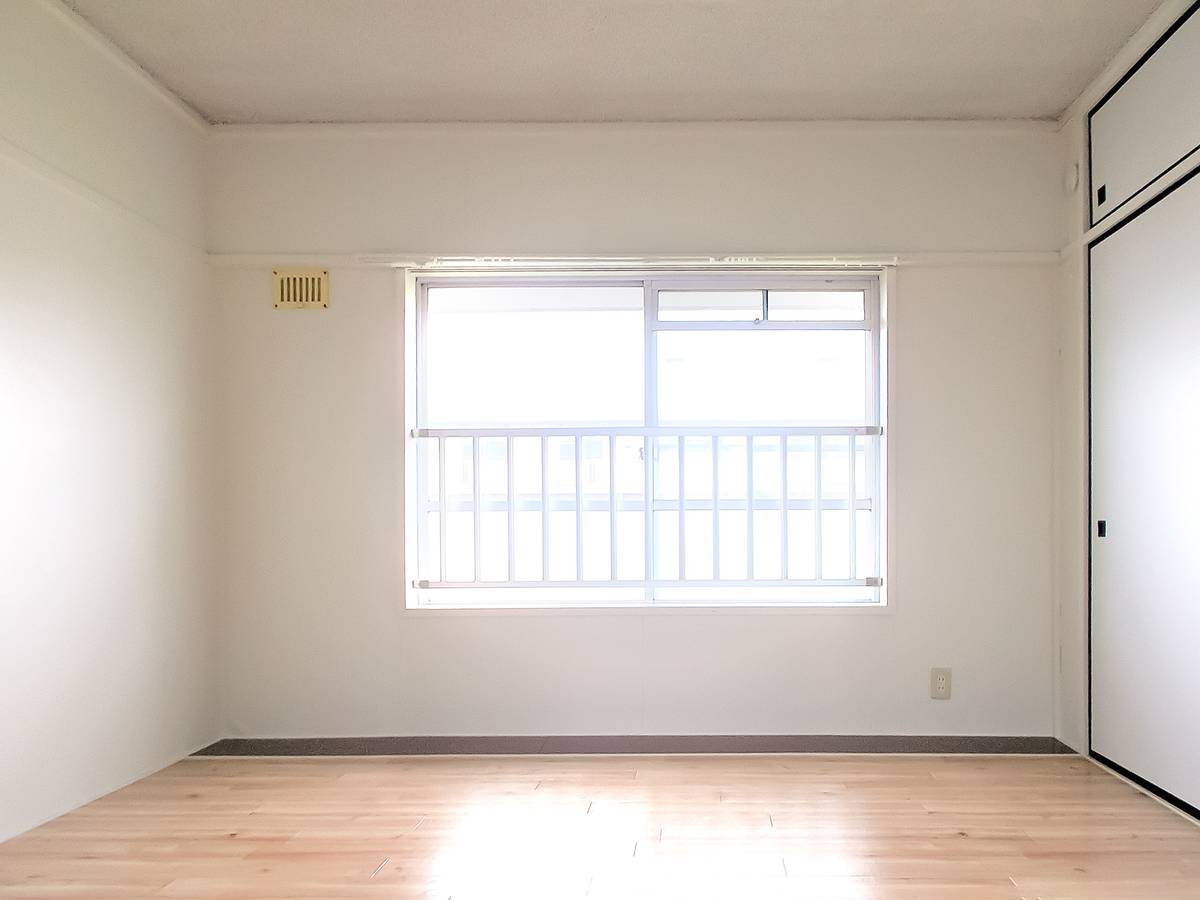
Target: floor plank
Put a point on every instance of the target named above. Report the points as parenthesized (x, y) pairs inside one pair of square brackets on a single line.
[(856, 827)]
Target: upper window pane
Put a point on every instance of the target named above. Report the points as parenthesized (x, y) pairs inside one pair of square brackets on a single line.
[(533, 356), (813, 377), (710, 306), (815, 306)]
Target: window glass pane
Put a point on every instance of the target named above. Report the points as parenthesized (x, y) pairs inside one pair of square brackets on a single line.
[(561, 480), (596, 532), (460, 520), (513, 356), (815, 306), (802, 544), (768, 531), (429, 531), (527, 488), (630, 483), (493, 520), (762, 377), (710, 306), (698, 544)]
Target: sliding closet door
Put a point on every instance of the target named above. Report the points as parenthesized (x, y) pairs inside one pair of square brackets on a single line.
[(1145, 399)]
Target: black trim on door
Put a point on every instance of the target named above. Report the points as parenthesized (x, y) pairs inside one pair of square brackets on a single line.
[(1137, 779), (1166, 36), (1150, 786)]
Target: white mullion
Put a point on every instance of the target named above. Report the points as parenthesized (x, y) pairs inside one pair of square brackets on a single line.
[(650, 413), (762, 325), (512, 511), (545, 509), (878, 402)]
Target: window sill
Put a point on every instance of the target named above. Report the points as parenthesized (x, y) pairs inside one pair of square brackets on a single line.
[(660, 609)]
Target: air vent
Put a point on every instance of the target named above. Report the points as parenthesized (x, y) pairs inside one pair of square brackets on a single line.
[(298, 288)]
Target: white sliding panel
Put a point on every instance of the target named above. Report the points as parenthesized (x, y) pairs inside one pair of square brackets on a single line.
[(1145, 401), (1150, 122)]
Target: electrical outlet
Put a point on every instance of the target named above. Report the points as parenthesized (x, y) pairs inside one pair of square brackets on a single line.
[(939, 684)]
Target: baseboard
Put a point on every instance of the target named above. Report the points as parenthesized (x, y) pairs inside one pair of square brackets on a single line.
[(647, 744)]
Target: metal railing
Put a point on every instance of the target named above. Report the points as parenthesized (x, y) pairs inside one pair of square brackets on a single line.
[(855, 449)]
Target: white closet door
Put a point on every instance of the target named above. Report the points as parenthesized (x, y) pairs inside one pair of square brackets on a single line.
[(1145, 396)]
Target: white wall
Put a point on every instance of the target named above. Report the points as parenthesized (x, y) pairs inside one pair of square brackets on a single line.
[(533, 189), (317, 641), (107, 620)]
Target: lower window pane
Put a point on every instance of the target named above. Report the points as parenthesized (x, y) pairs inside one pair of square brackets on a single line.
[(666, 545), (698, 540), (733, 544), (802, 552), (528, 546), (631, 546), (768, 544), (493, 545), (460, 546), (835, 543)]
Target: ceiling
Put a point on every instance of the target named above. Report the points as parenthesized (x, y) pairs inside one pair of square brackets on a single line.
[(619, 60)]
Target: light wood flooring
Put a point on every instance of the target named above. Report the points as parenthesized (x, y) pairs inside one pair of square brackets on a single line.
[(772, 826)]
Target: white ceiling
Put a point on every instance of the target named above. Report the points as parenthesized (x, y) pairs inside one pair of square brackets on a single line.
[(619, 60)]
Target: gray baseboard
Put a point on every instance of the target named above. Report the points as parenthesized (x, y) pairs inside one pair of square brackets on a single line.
[(645, 744)]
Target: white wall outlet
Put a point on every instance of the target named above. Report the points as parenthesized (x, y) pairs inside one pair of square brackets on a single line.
[(939, 684)]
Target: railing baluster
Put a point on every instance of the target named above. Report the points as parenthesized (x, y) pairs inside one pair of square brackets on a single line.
[(716, 443), (750, 507), (682, 514), (612, 507), (545, 509), (579, 508), (475, 511), (851, 507), (857, 440), (817, 522), (512, 510), (783, 506), (442, 509)]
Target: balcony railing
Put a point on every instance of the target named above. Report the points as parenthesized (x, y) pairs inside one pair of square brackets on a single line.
[(802, 500)]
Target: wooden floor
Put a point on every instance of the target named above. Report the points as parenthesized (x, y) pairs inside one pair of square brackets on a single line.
[(825, 827)]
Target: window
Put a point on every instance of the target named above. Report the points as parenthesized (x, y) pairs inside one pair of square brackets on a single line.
[(673, 439)]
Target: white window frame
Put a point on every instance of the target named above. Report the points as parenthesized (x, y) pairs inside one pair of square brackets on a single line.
[(423, 594)]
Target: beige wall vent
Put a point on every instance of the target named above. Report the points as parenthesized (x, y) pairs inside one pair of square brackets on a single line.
[(296, 288)]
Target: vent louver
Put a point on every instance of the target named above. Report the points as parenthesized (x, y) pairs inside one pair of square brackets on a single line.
[(298, 288)]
